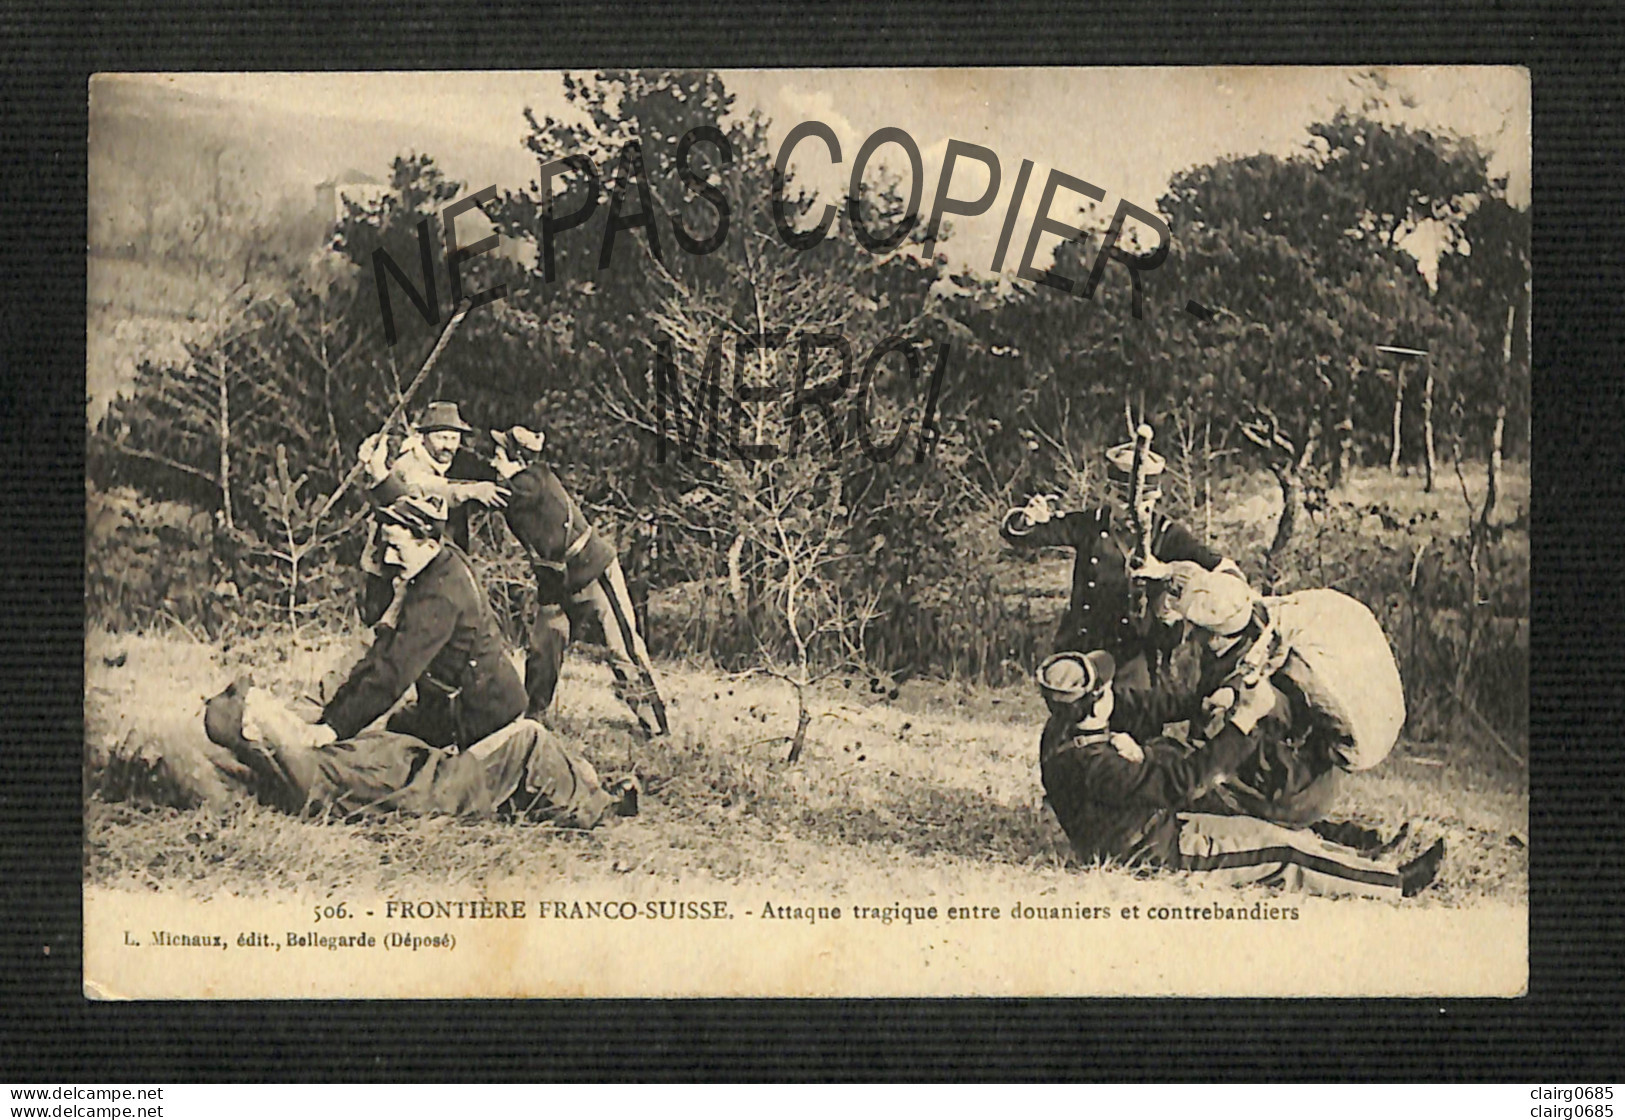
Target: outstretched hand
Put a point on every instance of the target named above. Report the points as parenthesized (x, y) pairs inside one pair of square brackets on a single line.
[(1037, 511), (488, 494)]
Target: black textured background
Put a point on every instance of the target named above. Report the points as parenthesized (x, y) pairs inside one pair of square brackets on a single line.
[(1568, 1027)]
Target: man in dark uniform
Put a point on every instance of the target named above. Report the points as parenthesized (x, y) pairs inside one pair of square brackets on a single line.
[(1099, 615), (445, 640), (578, 576), (461, 747), (1119, 796)]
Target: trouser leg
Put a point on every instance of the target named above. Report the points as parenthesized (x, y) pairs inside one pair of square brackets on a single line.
[(523, 765), (559, 784), (1287, 783), (549, 636), (1244, 850), (629, 657)]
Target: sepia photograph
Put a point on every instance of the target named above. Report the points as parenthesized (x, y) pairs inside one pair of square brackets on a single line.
[(808, 533)]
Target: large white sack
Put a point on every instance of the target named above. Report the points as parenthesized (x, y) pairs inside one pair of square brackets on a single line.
[(1339, 657)]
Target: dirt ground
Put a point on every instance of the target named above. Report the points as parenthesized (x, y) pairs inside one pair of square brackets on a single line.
[(937, 790)]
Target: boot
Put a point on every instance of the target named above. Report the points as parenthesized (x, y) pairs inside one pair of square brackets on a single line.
[(1415, 876), (1366, 841)]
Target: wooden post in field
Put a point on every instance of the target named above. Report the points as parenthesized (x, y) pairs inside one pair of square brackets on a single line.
[(1343, 456), (1427, 427), (223, 434), (1399, 405), (1399, 401), (1498, 435)]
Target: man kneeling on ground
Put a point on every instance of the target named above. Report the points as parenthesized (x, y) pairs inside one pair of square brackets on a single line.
[(461, 748), (1119, 799)]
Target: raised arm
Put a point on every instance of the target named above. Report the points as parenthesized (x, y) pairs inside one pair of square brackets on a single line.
[(1036, 525), (1178, 543), (1143, 712)]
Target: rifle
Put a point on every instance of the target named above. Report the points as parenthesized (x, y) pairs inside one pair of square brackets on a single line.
[(1139, 520), (399, 411)]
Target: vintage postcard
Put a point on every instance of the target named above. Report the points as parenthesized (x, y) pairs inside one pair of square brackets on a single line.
[(1008, 532)]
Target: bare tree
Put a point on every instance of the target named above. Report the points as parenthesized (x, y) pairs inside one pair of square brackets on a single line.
[(771, 472), (1429, 457), (1287, 463)]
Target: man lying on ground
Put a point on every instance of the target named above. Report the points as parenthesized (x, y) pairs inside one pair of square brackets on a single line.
[(1118, 798), (461, 747)]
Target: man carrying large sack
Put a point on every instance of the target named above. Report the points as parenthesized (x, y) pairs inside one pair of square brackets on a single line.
[(1325, 654)]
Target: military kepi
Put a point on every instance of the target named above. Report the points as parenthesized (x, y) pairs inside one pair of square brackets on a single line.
[(1068, 676), (1120, 467), (415, 515)]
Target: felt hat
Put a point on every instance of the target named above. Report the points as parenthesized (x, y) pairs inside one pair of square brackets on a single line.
[(1069, 676), (442, 416)]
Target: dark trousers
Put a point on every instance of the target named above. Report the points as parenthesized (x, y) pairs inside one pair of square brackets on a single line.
[(1244, 851), (1283, 782), (607, 600)]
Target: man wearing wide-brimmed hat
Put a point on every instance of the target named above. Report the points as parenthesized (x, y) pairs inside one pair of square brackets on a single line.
[(1129, 798), (1098, 615)]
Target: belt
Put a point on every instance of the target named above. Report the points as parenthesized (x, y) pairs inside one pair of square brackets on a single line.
[(578, 544)]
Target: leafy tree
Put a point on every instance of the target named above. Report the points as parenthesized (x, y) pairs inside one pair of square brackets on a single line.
[(1488, 278)]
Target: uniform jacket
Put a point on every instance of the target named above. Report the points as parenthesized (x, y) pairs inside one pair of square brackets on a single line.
[(565, 550), (447, 642), (1113, 808), (1097, 616)]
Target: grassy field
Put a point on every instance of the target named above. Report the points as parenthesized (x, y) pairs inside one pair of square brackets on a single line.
[(939, 786)]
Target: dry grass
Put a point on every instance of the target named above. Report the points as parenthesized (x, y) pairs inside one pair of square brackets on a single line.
[(939, 787), (1246, 504)]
